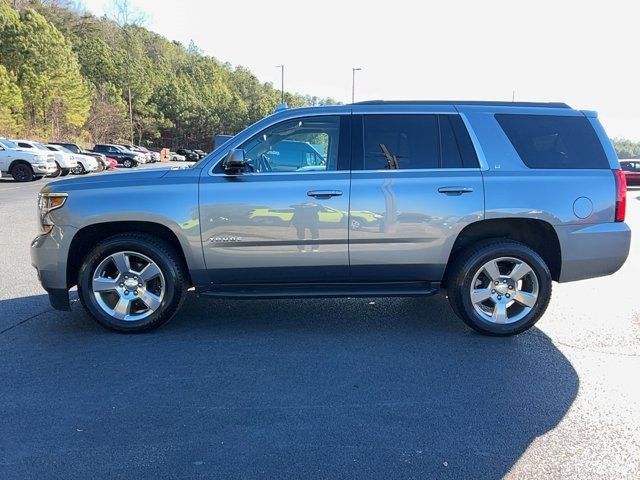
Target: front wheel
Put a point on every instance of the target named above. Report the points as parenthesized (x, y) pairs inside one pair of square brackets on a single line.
[(22, 172), (499, 288), (127, 163), (132, 282), (78, 169), (57, 173)]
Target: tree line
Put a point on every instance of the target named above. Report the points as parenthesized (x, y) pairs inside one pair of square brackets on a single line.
[(67, 75)]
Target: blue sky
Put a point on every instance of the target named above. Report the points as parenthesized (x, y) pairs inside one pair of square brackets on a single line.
[(583, 53)]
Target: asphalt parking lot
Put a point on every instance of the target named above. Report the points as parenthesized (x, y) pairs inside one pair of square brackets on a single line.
[(351, 388)]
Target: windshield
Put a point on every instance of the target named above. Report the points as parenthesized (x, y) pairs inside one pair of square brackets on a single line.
[(40, 146), (7, 143)]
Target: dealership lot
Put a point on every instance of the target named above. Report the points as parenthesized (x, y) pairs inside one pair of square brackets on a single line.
[(349, 388)]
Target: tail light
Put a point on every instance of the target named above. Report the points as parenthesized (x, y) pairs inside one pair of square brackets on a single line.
[(621, 195)]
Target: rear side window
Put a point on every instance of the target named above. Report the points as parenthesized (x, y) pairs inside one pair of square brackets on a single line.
[(403, 142), (548, 141), (410, 142)]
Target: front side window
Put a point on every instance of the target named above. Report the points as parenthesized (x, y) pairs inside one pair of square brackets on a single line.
[(301, 145), (553, 141)]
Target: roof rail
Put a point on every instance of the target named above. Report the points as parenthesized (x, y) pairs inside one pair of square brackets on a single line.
[(464, 102)]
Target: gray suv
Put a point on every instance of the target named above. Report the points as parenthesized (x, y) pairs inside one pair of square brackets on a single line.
[(486, 201)]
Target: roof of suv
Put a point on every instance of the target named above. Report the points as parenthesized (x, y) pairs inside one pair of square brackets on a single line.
[(464, 102)]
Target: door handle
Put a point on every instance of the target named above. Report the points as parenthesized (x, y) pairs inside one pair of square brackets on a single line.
[(455, 190), (324, 193)]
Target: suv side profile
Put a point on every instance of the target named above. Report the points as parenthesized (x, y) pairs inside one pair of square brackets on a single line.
[(121, 155), (489, 202)]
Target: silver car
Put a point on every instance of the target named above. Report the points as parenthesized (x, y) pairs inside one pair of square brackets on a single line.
[(489, 202)]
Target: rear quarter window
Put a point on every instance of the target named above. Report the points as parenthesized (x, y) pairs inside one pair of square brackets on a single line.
[(553, 141)]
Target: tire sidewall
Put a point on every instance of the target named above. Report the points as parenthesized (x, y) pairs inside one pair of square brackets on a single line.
[(28, 175), (476, 261), (169, 302)]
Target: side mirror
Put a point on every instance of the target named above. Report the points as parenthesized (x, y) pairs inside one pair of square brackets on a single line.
[(234, 161)]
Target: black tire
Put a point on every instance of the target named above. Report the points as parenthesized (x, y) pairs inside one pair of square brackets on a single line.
[(468, 262), (127, 163), (22, 172), (79, 170), (65, 172), (57, 173), (165, 257)]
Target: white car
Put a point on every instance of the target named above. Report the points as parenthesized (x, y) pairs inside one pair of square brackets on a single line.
[(64, 163), (174, 157), (84, 163), (25, 164)]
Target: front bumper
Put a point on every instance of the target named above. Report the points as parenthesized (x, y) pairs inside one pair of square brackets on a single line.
[(49, 256), (590, 251), (44, 168)]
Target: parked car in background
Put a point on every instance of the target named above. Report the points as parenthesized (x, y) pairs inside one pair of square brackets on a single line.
[(77, 149), (155, 156), (631, 169), (190, 155), (144, 158), (174, 157), (451, 193), (112, 163), (65, 162), (84, 163), (200, 153), (124, 157), (25, 164)]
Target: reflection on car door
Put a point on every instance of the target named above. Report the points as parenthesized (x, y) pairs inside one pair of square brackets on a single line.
[(416, 183), (267, 224)]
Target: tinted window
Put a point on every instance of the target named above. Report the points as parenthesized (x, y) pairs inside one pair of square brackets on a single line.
[(299, 145), (451, 157), (401, 142), (547, 141), (465, 146), (25, 145)]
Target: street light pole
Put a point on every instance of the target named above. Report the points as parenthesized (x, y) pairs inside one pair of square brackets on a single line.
[(281, 67), (353, 83)]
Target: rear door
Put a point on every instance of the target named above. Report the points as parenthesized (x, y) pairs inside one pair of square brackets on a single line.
[(416, 184)]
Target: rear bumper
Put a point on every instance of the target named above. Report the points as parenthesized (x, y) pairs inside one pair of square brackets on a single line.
[(593, 250)]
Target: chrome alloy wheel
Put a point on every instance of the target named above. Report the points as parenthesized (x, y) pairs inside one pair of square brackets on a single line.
[(504, 290), (128, 286)]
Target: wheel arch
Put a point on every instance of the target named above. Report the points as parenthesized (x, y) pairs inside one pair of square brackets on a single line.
[(20, 161), (536, 234), (87, 237)]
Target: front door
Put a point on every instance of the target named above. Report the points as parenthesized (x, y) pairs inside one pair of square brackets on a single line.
[(285, 217), (416, 184)]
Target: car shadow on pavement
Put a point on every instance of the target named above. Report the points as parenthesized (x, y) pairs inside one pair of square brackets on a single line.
[(348, 388)]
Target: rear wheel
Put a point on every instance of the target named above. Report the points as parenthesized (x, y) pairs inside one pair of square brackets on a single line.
[(499, 287), (127, 163), (22, 172), (132, 282), (78, 169)]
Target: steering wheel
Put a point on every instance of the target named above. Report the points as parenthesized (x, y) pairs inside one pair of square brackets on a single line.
[(264, 163)]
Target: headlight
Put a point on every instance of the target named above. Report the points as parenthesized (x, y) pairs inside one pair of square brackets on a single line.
[(39, 158), (47, 203)]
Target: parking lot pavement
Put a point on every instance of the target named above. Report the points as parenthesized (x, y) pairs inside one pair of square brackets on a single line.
[(349, 388)]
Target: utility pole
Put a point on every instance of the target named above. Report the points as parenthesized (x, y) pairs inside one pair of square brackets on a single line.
[(353, 83), (281, 67)]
